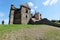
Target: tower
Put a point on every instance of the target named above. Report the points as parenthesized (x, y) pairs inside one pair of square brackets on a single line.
[(25, 13), (19, 15), (37, 16), (11, 15)]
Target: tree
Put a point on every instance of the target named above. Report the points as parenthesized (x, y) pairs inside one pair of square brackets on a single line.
[(3, 22), (59, 20), (53, 20)]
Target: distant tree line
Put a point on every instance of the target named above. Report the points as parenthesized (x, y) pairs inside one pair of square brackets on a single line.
[(55, 20)]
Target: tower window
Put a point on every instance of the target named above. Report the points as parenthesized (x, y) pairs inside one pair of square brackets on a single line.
[(26, 11), (40, 14), (26, 16)]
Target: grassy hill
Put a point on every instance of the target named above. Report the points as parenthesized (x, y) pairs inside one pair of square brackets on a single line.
[(29, 32)]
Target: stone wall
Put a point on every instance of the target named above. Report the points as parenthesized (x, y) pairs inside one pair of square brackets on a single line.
[(44, 21)]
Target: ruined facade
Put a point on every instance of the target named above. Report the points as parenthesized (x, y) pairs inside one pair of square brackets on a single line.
[(22, 15)]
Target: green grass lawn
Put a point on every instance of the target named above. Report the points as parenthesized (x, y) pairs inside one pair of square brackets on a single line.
[(9, 28), (48, 32)]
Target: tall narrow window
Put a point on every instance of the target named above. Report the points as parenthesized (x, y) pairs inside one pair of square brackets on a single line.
[(26, 16), (26, 11)]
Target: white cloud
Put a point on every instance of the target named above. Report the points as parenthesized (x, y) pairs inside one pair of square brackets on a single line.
[(1, 14), (53, 2), (6, 21), (30, 4), (46, 2), (32, 10), (50, 2), (35, 7)]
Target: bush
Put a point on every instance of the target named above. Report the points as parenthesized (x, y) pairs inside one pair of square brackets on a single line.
[(59, 21), (53, 20)]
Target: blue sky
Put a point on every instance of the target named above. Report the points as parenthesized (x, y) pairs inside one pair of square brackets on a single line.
[(48, 8)]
